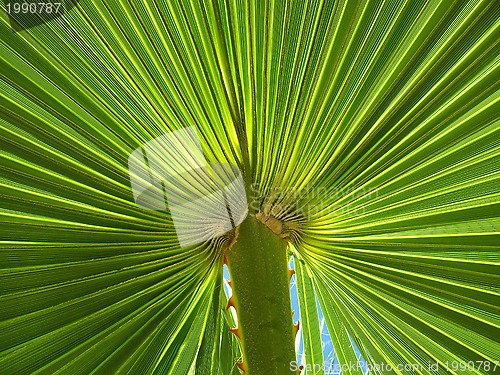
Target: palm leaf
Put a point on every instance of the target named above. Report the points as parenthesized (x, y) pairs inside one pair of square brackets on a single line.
[(378, 124)]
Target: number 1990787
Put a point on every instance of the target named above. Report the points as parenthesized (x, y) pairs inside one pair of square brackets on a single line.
[(34, 7)]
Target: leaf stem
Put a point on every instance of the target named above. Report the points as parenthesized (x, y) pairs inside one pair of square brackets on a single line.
[(258, 265)]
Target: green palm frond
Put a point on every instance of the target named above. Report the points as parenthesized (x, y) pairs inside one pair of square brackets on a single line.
[(370, 130)]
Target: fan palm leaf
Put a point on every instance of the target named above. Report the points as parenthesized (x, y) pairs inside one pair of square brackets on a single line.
[(368, 135)]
